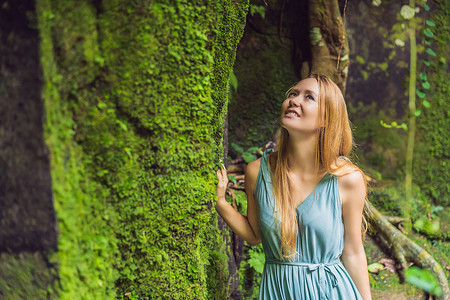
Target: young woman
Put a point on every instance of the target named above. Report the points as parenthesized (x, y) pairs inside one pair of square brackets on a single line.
[(306, 201)]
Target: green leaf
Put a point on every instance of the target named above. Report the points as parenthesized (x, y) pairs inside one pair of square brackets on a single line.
[(424, 225), (430, 23), (257, 261), (430, 51), (423, 279), (423, 76), (385, 125), (375, 267), (428, 33), (394, 124), (426, 103), (233, 81), (232, 178), (407, 12), (417, 112), (360, 59), (426, 85), (426, 62), (426, 7), (252, 149), (404, 126), (122, 125), (248, 157), (237, 148), (258, 9), (420, 94)]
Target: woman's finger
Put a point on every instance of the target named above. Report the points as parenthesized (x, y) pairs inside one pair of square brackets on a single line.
[(219, 174)]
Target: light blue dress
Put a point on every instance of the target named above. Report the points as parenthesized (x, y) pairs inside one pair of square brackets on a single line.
[(316, 272)]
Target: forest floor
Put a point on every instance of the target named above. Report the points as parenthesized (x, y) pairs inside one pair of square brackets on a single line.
[(386, 284)]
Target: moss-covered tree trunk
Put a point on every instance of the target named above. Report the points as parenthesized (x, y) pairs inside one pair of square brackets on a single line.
[(134, 97), (328, 42), (27, 216)]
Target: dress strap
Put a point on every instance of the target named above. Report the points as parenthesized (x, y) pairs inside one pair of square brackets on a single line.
[(266, 172)]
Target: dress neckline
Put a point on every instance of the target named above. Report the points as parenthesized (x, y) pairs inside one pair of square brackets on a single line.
[(307, 199), (313, 191)]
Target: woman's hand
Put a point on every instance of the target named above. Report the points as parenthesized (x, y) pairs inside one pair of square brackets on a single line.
[(223, 182)]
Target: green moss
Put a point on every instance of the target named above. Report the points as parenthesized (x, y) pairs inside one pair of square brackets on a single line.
[(264, 71), (431, 160), (135, 97), (87, 247), (25, 276)]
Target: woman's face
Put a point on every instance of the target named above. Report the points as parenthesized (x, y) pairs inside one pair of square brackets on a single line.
[(300, 110)]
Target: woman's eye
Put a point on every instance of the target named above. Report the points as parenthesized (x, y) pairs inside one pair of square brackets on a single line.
[(292, 94), (310, 97)]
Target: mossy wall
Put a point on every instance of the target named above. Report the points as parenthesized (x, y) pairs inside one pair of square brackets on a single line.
[(135, 96), (264, 69), (27, 216), (432, 159)]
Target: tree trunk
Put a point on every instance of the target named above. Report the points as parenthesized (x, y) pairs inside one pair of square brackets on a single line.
[(28, 222), (406, 250), (329, 45)]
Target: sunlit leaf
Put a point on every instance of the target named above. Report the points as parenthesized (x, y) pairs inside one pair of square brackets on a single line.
[(420, 94), (417, 112), (252, 149), (426, 226), (423, 76), (257, 261), (248, 157), (399, 42), (428, 33), (376, 2), (426, 85), (375, 267), (430, 51), (407, 12), (232, 178), (426, 103), (404, 126), (430, 23), (233, 81), (385, 125), (423, 279)]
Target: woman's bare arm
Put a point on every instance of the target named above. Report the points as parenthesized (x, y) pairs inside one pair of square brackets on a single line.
[(246, 227), (353, 192)]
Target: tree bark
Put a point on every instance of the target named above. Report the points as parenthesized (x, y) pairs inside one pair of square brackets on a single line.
[(329, 45), (406, 250)]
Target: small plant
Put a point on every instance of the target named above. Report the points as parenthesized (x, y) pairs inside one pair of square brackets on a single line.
[(423, 279), (249, 154), (257, 259)]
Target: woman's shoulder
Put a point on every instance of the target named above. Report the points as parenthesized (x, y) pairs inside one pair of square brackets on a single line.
[(252, 170), (352, 179), (352, 186), (350, 176)]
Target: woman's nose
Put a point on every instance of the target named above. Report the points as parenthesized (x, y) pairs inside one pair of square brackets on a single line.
[(295, 101)]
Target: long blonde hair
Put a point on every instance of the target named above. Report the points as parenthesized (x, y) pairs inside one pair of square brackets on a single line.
[(334, 142)]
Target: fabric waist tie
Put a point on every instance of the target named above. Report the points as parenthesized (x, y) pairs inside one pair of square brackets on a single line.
[(321, 267)]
